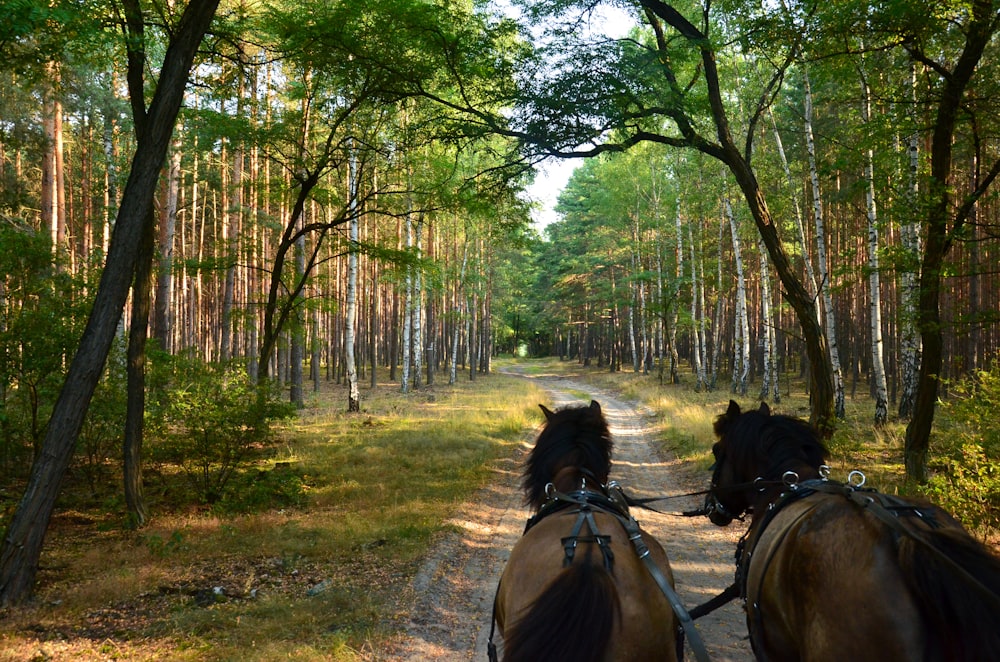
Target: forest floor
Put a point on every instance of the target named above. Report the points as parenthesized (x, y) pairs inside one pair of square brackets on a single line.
[(441, 606), (448, 605)]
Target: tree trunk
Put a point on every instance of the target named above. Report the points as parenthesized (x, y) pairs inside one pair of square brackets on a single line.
[(417, 307), (910, 349), (726, 151), (351, 311), (675, 301), (698, 336), (769, 382), (460, 313), (741, 364), (406, 360), (22, 543), (874, 286), (793, 193), (162, 318), (824, 272), (136, 390), (942, 225), (296, 391), (713, 379)]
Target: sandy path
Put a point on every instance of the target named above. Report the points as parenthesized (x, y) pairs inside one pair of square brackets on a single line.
[(452, 595)]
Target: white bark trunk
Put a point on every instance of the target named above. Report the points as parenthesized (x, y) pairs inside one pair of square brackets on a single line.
[(799, 224), (351, 311), (717, 329), (417, 308), (741, 364), (910, 346), (675, 303), (460, 314), (769, 381), (407, 312), (878, 366), (831, 329), (698, 335)]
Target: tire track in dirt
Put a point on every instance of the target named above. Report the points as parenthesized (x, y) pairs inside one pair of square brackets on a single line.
[(450, 599)]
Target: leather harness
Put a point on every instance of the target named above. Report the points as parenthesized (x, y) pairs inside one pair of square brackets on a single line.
[(611, 501), (891, 510)]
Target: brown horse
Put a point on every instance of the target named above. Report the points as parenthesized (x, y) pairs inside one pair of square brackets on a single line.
[(574, 588), (835, 571)]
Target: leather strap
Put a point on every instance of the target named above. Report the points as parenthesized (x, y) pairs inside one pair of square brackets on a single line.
[(687, 623), (613, 505)]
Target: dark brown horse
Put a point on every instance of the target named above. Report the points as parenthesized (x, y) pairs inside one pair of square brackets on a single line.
[(836, 571), (574, 588)]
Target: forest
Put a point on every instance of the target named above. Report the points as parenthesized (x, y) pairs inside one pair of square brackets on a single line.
[(207, 209)]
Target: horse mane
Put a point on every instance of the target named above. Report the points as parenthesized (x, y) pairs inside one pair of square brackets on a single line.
[(756, 438), (576, 437)]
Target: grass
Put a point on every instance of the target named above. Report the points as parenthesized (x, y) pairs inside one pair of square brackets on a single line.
[(312, 582), (320, 580), (686, 419)]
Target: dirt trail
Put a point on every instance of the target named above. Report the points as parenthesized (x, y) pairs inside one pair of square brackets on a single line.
[(452, 595)]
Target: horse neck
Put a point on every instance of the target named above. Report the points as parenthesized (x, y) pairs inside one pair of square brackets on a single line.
[(775, 485), (572, 479)]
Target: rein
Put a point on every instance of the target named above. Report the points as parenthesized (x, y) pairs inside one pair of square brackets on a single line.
[(644, 503)]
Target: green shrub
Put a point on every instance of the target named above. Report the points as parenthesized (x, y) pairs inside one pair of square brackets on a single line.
[(43, 314), (257, 490), (98, 456), (210, 420), (966, 471), (967, 484)]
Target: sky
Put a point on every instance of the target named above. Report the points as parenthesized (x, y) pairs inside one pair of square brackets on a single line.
[(553, 174)]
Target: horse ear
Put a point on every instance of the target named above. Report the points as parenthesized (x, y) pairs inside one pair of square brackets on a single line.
[(734, 409), (595, 407), (548, 413), (764, 409)]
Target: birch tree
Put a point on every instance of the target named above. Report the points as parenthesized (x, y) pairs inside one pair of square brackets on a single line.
[(406, 360), (697, 316), (681, 102), (769, 385), (821, 254), (957, 72), (874, 286), (909, 340), (163, 313), (351, 310), (796, 207), (741, 338), (676, 293)]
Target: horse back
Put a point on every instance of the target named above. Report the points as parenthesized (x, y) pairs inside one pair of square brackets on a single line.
[(824, 582), (643, 625), (957, 583)]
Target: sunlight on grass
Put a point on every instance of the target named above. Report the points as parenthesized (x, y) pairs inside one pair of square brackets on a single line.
[(686, 418), (321, 580), (380, 486)]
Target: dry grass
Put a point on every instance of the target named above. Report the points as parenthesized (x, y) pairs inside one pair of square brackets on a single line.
[(381, 486), (316, 582), (686, 419)]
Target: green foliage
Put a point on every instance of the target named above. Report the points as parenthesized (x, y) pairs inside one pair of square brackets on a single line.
[(967, 477), (256, 491), (99, 445), (40, 323), (968, 486), (161, 548), (210, 420)]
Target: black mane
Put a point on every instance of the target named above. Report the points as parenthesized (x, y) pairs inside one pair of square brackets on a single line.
[(575, 437), (768, 442)]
